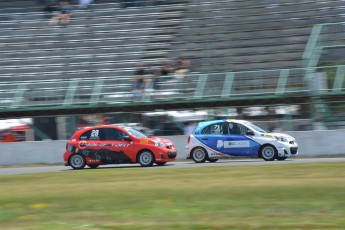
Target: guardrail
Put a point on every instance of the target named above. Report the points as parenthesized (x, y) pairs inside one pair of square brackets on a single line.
[(27, 95), (51, 152)]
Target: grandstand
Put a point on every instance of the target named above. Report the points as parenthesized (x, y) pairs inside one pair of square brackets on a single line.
[(108, 41), (237, 48)]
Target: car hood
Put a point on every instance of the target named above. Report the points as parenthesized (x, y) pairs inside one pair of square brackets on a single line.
[(155, 139), (290, 138), (163, 140)]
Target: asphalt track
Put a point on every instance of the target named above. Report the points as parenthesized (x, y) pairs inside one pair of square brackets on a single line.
[(177, 164)]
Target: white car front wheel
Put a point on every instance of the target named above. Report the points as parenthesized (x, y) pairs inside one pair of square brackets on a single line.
[(268, 152)]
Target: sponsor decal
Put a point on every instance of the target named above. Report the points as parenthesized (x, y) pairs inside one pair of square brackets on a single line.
[(144, 141), (105, 156), (93, 161), (233, 144), (84, 144), (220, 143)]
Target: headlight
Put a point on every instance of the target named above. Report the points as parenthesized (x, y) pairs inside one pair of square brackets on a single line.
[(158, 143), (282, 139)]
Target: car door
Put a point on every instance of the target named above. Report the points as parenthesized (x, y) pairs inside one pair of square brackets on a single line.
[(118, 149), (236, 142)]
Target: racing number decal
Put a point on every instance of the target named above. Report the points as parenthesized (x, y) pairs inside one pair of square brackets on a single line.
[(94, 133)]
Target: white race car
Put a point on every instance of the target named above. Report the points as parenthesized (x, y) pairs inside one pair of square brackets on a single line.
[(216, 139)]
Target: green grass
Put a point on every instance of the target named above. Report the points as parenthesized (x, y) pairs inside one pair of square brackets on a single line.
[(294, 196)]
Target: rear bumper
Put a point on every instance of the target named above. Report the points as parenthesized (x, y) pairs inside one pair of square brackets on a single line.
[(66, 156)]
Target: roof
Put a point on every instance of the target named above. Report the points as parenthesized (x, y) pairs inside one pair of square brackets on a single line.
[(206, 123)]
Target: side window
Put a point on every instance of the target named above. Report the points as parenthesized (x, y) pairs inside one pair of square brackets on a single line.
[(93, 134), (114, 134), (237, 129), (243, 129), (214, 129)]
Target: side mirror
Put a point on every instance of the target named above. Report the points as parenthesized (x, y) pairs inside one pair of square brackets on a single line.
[(127, 138), (249, 133)]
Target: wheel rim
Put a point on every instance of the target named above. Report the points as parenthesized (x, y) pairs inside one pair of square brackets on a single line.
[(145, 158), (199, 154), (268, 152), (77, 161)]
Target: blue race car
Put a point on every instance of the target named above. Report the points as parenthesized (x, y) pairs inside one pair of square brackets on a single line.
[(212, 140)]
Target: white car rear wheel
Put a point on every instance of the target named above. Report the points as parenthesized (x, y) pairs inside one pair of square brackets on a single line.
[(199, 155)]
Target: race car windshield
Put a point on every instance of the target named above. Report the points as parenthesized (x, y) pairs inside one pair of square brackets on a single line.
[(256, 128), (136, 133)]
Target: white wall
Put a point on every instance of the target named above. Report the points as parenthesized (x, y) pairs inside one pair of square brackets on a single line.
[(311, 143)]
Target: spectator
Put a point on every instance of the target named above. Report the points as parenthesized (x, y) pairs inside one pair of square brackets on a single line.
[(139, 82), (156, 78), (64, 14), (149, 85), (183, 67), (166, 69)]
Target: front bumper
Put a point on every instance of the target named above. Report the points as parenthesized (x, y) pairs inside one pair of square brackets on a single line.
[(287, 150), (165, 156), (172, 155)]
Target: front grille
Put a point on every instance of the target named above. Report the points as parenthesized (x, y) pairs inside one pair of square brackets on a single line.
[(172, 155), (293, 150)]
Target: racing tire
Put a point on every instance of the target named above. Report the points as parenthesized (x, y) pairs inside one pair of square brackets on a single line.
[(281, 158), (213, 160), (93, 166), (199, 155), (77, 161), (145, 158), (160, 163), (268, 152)]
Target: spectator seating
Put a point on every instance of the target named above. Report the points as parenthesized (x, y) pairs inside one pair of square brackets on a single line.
[(250, 35), (108, 41)]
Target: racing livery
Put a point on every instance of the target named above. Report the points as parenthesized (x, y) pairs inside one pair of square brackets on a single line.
[(110, 144), (216, 139)]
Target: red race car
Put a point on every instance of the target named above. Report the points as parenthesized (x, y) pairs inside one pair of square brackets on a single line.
[(111, 144)]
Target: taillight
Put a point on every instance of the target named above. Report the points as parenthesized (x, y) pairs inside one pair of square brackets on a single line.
[(188, 139)]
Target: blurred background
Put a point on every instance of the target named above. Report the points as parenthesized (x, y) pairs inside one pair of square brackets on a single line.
[(164, 65)]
